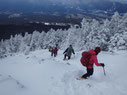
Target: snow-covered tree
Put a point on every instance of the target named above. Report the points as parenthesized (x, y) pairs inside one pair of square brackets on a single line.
[(109, 35), (34, 44)]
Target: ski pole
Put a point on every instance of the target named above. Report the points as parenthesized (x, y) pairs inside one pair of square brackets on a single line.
[(104, 71)]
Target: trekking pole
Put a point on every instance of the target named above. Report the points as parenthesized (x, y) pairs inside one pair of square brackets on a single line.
[(74, 55), (104, 71)]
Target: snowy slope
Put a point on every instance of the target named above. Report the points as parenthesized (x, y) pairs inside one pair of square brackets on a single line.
[(40, 74)]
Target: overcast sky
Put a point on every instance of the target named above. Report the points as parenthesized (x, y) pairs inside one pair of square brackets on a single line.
[(58, 1)]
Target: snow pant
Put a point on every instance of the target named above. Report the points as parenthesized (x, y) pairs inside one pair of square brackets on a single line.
[(66, 56), (89, 72), (54, 54)]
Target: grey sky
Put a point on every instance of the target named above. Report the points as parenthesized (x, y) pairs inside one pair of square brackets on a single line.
[(58, 1)]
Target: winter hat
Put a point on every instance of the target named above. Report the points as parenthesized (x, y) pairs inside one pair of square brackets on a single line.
[(70, 45), (97, 49)]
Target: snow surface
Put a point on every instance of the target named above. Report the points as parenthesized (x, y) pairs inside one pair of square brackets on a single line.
[(40, 74)]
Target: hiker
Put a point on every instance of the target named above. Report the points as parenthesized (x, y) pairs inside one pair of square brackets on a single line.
[(92, 60), (68, 52), (54, 51), (50, 49)]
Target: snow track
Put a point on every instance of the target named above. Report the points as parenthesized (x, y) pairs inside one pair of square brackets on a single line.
[(8, 85)]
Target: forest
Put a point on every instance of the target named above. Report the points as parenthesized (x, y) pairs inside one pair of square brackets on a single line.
[(110, 35)]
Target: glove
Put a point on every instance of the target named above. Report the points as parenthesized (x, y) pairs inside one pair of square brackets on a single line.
[(102, 64)]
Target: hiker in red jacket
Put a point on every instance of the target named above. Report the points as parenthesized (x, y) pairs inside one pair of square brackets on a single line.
[(54, 50), (92, 60)]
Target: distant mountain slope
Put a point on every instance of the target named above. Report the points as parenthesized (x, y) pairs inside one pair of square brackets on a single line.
[(61, 7)]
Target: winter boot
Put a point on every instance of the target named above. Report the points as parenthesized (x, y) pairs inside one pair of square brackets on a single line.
[(83, 77)]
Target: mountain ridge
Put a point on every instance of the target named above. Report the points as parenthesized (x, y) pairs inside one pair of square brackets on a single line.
[(61, 7)]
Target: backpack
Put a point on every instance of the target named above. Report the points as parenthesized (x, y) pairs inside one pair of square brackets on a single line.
[(69, 51), (85, 58)]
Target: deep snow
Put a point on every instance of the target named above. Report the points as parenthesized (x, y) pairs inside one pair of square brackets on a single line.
[(40, 74)]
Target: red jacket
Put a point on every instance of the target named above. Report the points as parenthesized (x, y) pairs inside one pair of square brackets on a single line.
[(54, 50), (93, 59)]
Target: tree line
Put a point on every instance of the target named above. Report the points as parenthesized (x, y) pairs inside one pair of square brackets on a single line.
[(110, 35)]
